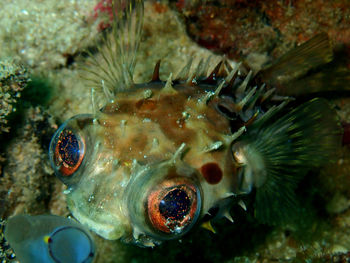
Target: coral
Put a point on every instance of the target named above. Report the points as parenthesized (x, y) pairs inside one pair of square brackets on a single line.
[(13, 79), (103, 9)]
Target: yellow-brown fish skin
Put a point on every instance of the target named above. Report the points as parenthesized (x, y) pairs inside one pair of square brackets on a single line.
[(147, 125)]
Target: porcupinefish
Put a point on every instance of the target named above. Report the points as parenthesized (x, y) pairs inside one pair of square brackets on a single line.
[(157, 157)]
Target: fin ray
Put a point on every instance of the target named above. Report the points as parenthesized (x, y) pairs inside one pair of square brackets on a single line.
[(115, 62), (279, 151)]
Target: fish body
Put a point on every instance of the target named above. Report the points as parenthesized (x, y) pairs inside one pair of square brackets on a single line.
[(159, 156), (156, 135)]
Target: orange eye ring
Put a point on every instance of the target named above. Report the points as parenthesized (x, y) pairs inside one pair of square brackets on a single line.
[(172, 208), (69, 152)]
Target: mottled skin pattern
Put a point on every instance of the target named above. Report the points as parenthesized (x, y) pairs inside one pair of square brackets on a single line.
[(147, 125)]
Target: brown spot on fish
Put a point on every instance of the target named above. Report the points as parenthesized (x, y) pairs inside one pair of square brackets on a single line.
[(211, 172), (146, 105)]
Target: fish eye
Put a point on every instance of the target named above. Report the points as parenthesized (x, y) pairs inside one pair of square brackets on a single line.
[(68, 147), (164, 201), (69, 152), (174, 206)]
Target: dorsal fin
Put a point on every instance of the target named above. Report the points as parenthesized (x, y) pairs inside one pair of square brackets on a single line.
[(155, 76), (114, 63)]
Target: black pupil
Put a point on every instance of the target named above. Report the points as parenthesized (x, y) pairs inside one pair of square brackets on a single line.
[(68, 148), (175, 205)]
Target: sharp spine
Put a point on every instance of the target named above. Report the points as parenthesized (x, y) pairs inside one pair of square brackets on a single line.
[(168, 88), (255, 97), (242, 204), (246, 98), (206, 98), (267, 94), (228, 194), (234, 136), (213, 147), (230, 79), (207, 225), (184, 72), (228, 216), (212, 76), (241, 89), (155, 76), (252, 119), (219, 88), (179, 152)]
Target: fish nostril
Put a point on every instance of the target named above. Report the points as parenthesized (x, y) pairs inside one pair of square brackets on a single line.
[(226, 107)]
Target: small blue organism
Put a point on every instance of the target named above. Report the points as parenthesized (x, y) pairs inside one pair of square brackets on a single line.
[(49, 239)]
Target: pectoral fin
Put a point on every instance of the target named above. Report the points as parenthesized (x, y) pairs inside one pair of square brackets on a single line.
[(277, 151)]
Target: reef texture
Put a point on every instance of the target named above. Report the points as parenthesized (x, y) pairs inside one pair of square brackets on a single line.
[(240, 28), (13, 79), (44, 33), (27, 184), (47, 36)]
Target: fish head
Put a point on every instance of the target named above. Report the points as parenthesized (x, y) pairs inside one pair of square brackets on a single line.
[(148, 165)]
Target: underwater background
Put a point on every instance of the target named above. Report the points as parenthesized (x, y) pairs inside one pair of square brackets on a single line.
[(42, 44)]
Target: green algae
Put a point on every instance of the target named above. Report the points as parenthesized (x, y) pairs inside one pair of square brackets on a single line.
[(38, 92)]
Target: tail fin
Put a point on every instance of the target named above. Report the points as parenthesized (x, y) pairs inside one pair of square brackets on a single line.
[(277, 153)]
